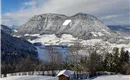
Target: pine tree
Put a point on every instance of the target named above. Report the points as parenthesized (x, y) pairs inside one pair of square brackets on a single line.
[(127, 56), (124, 59), (94, 62), (115, 60), (128, 69), (107, 64)]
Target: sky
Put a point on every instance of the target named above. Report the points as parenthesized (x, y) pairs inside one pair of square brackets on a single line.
[(110, 12)]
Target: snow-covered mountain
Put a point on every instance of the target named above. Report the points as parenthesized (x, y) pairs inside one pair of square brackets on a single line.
[(58, 29), (13, 48), (80, 25), (6, 29)]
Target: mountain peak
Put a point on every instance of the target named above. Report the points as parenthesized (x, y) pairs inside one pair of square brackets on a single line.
[(48, 16), (80, 13), (84, 15)]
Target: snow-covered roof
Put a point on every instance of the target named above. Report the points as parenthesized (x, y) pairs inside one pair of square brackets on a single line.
[(65, 73)]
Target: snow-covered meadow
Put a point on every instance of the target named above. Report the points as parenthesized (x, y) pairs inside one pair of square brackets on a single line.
[(107, 77), (30, 78), (112, 77)]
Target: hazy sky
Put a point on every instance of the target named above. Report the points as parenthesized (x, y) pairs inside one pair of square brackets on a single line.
[(110, 12)]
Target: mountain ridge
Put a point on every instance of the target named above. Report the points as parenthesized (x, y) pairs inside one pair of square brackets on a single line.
[(80, 26), (6, 29), (13, 48), (123, 29)]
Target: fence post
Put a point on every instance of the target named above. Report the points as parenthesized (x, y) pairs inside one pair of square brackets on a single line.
[(43, 73), (4, 75)]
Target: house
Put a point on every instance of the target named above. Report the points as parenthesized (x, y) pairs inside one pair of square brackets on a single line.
[(64, 75)]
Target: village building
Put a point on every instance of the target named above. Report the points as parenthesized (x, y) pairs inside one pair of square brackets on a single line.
[(64, 75)]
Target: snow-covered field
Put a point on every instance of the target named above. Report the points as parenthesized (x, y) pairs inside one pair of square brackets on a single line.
[(30, 78), (108, 77), (52, 39), (67, 39), (112, 77)]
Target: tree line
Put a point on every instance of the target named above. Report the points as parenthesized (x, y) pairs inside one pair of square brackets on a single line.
[(118, 61)]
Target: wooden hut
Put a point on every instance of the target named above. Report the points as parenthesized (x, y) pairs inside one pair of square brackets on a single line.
[(64, 75)]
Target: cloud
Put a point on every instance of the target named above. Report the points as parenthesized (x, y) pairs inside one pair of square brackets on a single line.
[(108, 11), (31, 3), (116, 19)]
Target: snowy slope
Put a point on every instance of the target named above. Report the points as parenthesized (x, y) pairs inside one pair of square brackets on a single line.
[(67, 39), (58, 29), (52, 39), (51, 26), (66, 22), (79, 25)]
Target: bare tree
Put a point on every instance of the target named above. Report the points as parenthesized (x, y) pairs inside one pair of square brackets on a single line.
[(55, 58), (75, 57)]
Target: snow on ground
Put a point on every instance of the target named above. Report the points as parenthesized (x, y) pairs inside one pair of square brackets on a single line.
[(30, 78), (100, 34), (106, 44), (15, 31), (127, 37), (46, 39), (66, 22), (112, 77), (126, 46), (54, 40), (105, 31), (67, 39), (94, 33), (97, 34), (16, 36), (37, 35), (91, 41), (105, 77), (26, 34)]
